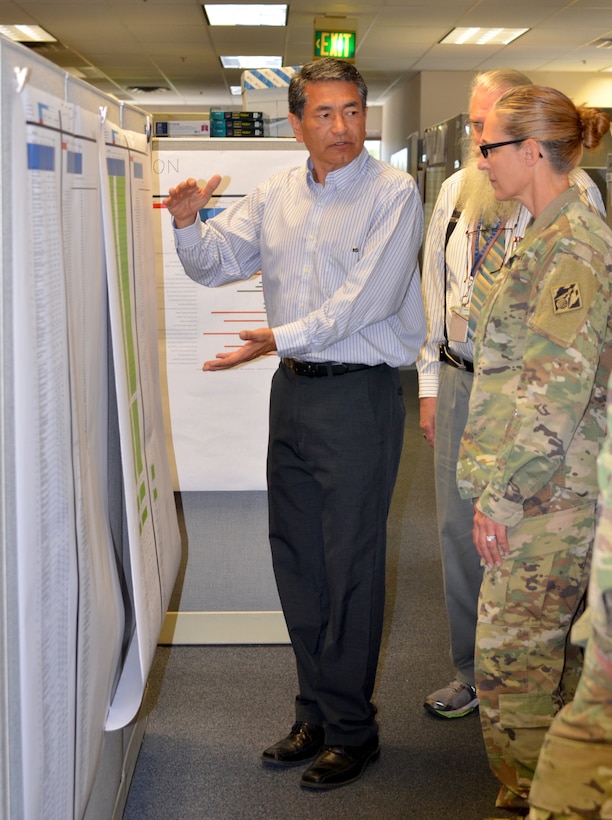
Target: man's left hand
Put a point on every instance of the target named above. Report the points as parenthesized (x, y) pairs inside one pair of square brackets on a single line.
[(258, 343)]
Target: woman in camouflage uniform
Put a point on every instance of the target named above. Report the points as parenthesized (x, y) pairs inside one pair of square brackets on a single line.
[(536, 422)]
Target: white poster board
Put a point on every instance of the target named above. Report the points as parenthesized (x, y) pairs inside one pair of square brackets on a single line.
[(151, 518), (67, 602), (217, 423)]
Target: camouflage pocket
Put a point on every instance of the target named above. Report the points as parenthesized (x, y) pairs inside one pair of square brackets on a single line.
[(554, 532), (526, 711), (520, 588), (572, 779)]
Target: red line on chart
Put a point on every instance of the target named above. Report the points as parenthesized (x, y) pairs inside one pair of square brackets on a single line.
[(237, 347)]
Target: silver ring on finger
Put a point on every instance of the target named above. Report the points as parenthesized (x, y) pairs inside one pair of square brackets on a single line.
[(491, 538)]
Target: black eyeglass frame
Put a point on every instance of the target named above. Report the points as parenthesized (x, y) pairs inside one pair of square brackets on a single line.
[(486, 147)]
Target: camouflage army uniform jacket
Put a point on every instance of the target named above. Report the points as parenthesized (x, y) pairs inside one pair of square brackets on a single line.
[(543, 351)]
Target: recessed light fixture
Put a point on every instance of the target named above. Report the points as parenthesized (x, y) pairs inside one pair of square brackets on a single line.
[(242, 15), (251, 62), (148, 89), (27, 34), (235, 90), (482, 36)]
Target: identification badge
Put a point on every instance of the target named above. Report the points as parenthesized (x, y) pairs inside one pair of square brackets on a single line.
[(458, 331)]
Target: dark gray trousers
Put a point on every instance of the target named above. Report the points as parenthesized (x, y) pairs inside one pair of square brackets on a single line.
[(460, 562), (334, 450)]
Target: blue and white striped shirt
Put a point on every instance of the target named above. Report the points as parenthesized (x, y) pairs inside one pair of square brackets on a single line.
[(339, 261)]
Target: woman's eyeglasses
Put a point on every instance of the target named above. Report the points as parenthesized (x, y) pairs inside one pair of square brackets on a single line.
[(488, 146)]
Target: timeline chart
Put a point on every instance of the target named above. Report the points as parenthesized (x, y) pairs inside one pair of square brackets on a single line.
[(217, 422)]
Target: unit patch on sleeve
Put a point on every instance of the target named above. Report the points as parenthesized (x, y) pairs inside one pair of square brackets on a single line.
[(568, 295), (566, 298)]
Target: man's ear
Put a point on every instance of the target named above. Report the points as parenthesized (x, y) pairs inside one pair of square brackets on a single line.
[(296, 124)]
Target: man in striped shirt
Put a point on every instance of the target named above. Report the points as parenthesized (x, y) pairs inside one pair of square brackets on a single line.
[(337, 243), (469, 237)]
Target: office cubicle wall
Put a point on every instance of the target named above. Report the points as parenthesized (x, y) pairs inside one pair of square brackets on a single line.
[(89, 538)]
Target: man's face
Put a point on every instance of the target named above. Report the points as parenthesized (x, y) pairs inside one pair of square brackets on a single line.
[(333, 125), (482, 102)]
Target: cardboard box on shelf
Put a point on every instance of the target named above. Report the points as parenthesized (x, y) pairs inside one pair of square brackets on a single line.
[(232, 128), (182, 128), (266, 89), (217, 114)]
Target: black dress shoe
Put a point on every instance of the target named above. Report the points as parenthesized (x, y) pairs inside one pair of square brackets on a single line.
[(304, 741), (338, 765)]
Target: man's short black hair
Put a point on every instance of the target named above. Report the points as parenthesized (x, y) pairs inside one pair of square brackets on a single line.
[(323, 70)]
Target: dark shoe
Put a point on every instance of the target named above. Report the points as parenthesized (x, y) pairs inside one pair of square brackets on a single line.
[(304, 741), (338, 765)]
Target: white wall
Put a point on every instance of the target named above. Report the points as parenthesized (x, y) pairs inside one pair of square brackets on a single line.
[(401, 117)]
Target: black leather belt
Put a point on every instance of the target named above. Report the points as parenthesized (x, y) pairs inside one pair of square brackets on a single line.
[(454, 360), (317, 369)]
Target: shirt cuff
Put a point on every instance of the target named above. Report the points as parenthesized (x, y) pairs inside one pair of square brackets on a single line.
[(186, 237), (290, 339), (428, 382)]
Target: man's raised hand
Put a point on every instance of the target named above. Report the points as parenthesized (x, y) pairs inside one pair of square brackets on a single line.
[(187, 198)]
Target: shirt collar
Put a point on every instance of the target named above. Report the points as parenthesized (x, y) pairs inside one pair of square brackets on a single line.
[(341, 177), (552, 210)]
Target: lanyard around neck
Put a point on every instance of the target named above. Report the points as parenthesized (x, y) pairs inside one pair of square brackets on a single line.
[(478, 254)]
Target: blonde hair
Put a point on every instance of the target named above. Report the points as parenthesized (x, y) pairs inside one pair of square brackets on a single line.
[(547, 115)]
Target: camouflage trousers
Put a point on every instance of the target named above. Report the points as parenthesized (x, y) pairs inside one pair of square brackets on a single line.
[(574, 774), (526, 668)]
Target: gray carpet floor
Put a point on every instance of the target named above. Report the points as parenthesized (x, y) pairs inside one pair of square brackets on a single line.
[(212, 709)]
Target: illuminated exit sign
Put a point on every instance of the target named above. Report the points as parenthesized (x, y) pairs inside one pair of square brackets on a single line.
[(334, 38), (339, 44)]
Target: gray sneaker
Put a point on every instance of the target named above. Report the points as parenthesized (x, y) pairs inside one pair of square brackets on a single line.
[(454, 701)]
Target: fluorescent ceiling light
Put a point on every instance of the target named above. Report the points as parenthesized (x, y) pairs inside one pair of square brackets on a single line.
[(251, 62), (242, 15), (235, 90), (482, 36), (148, 89), (27, 34)]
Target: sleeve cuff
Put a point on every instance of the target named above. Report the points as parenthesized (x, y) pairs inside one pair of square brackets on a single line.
[(290, 339), (500, 509), (186, 237)]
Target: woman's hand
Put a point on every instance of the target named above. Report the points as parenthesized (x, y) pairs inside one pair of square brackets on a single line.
[(490, 539)]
